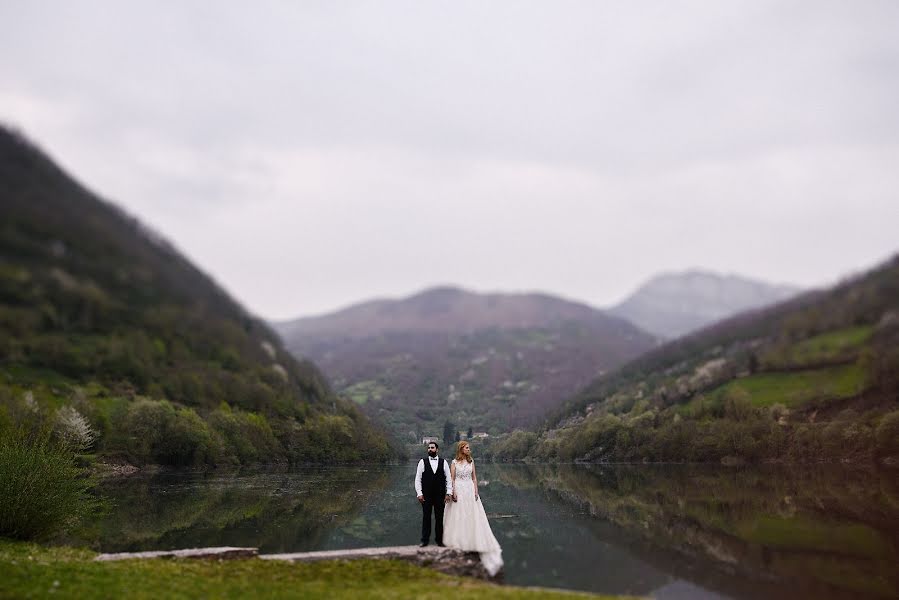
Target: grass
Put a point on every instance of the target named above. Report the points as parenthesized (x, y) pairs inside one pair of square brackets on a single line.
[(832, 344), (829, 346), (362, 391), (792, 389), (30, 570), (799, 533)]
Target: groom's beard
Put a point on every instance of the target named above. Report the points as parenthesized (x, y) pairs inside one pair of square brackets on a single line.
[(430, 453)]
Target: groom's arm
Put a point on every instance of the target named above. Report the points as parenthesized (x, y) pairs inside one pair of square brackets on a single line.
[(418, 472), (449, 479)]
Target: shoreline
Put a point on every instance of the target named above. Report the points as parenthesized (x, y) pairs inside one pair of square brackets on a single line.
[(111, 470)]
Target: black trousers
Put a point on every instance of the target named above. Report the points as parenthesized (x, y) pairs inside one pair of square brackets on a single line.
[(436, 505)]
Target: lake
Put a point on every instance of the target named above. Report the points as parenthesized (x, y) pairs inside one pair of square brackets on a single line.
[(669, 531)]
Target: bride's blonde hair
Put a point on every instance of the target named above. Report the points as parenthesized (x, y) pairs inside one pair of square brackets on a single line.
[(459, 456)]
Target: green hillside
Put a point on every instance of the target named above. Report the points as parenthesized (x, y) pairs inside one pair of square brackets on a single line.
[(112, 338), (815, 378)]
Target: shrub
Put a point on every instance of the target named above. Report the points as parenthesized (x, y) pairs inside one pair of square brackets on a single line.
[(42, 491), (247, 435), (738, 405), (159, 432), (514, 446), (326, 438), (887, 434), (73, 429)]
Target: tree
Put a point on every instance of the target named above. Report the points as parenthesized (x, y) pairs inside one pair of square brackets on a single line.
[(470, 432), (449, 430)]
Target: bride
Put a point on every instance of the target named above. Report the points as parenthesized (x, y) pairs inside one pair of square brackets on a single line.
[(465, 523)]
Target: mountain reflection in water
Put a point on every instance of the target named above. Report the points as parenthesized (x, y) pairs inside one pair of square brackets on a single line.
[(670, 531)]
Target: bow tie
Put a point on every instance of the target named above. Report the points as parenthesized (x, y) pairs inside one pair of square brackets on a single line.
[(432, 457)]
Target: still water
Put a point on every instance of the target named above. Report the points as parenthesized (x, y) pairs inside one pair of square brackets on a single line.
[(663, 531)]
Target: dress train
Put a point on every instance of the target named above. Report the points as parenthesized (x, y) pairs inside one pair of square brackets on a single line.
[(465, 524)]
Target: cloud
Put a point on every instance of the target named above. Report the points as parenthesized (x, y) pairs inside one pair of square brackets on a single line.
[(310, 155)]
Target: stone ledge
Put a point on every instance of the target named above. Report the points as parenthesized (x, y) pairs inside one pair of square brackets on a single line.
[(384, 552), (444, 560), (224, 552)]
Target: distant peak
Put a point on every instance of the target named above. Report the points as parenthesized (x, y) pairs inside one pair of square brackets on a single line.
[(700, 274), (674, 303), (441, 290)]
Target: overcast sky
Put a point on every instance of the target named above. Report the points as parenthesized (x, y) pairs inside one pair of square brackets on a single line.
[(311, 155)]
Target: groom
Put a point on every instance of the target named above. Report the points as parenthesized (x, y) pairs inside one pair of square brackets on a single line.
[(433, 486)]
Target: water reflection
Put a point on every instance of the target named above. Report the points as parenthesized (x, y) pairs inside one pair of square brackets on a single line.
[(668, 531), (762, 532), (276, 512)]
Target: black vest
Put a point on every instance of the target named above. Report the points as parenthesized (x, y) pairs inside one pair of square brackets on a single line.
[(433, 485)]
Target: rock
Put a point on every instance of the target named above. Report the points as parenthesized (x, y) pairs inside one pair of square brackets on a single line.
[(445, 560), (225, 552), (115, 469)]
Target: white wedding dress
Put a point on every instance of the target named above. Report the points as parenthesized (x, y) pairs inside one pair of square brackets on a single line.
[(465, 524)]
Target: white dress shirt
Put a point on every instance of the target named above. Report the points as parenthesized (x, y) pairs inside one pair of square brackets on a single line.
[(432, 464)]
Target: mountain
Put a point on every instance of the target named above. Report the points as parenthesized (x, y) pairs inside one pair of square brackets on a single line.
[(482, 361), (810, 379), (115, 340), (673, 304)]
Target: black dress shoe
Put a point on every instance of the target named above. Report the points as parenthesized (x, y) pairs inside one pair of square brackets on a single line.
[(441, 544), (422, 545)]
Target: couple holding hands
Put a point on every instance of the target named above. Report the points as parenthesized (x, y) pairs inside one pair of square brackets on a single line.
[(450, 492)]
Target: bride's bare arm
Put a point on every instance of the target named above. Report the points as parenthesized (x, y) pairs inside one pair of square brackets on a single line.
[(474, 479), (453, 476)]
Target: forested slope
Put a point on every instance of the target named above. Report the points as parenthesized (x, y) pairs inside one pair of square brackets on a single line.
[(112, 337)]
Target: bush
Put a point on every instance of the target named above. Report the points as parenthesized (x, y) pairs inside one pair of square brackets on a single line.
[(42, 491), (329, 438), (74, 430), (514, 446), (247, 435), (159, 432), (887, 434)]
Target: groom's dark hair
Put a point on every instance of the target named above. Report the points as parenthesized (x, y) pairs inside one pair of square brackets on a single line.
[(436, 445)]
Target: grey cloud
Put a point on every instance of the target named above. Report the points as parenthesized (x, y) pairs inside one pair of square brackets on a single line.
[(576, 147)]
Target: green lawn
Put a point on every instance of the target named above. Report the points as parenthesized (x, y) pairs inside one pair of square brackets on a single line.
[(29, 570), (792, 389), (821, 348)]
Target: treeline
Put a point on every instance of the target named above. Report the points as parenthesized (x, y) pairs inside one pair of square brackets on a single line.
[(742, 434), (145, 431)]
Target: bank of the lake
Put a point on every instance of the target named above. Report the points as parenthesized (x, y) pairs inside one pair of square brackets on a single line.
[(30, 570)]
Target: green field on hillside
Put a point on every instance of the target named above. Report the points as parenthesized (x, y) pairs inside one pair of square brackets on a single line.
[(830, 346), (793, 389)]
